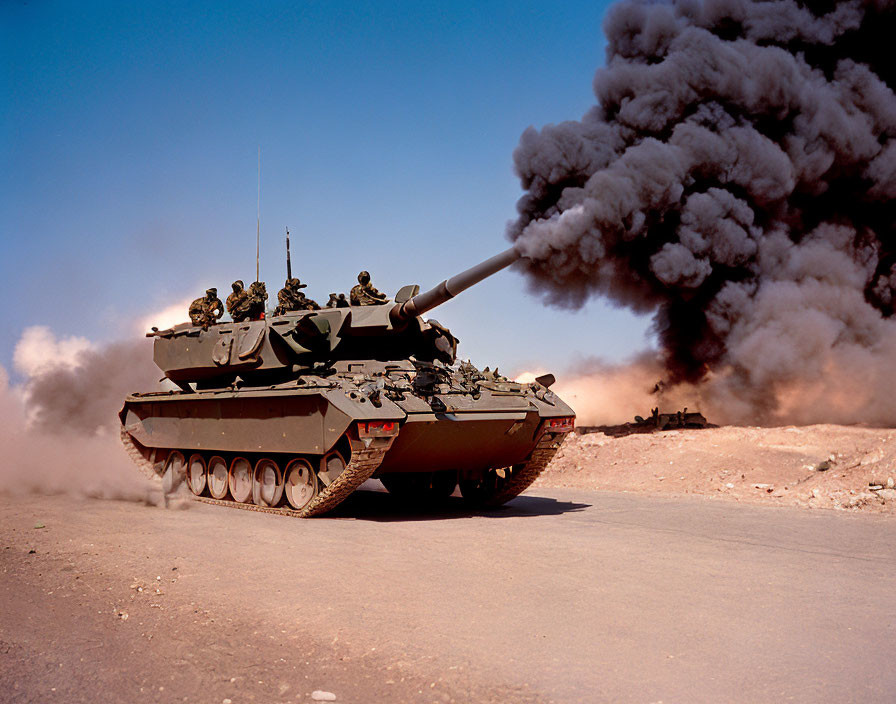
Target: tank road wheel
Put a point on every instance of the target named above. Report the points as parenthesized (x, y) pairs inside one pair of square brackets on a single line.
[(174, 471), (196, 474), (300, 486), (240, 480), (267, 483), (217, 477), (484, 491)]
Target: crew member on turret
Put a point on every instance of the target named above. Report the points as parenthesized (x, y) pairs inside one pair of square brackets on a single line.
[(290, 298), (236, 301), (207, 310), (337, 300), (364, 294), (258, 295)]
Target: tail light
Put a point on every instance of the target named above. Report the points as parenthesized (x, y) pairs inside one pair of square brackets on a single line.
[(377, 428), (559, 425)]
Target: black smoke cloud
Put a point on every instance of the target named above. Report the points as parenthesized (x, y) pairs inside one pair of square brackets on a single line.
[(736, 177)]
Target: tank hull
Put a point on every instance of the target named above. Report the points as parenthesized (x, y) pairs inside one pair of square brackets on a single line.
[(462, 428), (470, 443), (298, 424)]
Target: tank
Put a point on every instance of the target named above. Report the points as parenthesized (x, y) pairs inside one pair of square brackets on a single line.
[(292, 413)]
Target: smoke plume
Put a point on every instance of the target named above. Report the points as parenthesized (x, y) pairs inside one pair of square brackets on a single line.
[(736, 177), (59, 429), (605, 393)]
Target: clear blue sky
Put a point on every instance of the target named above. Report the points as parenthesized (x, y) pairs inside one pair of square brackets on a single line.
[(129, 136)]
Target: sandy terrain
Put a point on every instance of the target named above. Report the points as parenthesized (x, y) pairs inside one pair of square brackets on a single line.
[(819, 466), (562, 596), (626, 584)]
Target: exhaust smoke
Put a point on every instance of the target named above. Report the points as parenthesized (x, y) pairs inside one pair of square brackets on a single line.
[(736, 178)]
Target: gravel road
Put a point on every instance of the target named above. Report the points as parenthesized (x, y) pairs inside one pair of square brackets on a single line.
[(563, 596)]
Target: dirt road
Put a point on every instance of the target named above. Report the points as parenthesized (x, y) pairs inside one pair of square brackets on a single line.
[(564, 596)]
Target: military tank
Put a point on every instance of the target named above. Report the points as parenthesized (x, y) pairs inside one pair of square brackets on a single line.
[(291, 413)]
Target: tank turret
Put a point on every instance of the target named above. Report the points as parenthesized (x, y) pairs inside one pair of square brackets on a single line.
[(277, 347), (291, 413)]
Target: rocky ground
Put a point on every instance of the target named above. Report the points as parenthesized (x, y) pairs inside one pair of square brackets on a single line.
[(820, 466)]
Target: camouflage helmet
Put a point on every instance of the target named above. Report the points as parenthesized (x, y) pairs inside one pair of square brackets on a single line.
[(364, 278), (295, 283), (211, 292), (237, 285)]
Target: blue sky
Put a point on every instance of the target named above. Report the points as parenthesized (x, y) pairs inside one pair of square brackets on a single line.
[(129, 136)]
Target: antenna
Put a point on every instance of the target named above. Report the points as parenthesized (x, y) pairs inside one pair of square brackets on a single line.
[(288, 262), (258, 217)]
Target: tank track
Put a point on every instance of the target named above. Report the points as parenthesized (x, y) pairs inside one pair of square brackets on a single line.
[(522, 479), (144, 465), (362, 465)]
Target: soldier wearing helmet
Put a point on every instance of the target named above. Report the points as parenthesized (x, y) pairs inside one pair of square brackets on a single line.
[(337, 300), (290, 298), (258, 295), (207, 310), (364, 294), (236, 302)]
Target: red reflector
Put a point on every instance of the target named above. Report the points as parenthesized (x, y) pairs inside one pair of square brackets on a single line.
[(377, 427), (560, 425), (385, 425)]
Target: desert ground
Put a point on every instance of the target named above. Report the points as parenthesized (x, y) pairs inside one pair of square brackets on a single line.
[(818, 466), (645, 568)]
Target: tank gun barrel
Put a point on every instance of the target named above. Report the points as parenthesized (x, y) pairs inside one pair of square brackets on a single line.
[(448, 289)]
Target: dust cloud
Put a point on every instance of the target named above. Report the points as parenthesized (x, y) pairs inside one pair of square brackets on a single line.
[(602, 393), (736, 178), (59, 428)]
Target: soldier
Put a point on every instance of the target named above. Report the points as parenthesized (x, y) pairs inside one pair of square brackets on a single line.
[(337, 300), (287, 300), (236, 301), (364, 294), (258, 295), (307, 303), (290, 298), (207, 310)]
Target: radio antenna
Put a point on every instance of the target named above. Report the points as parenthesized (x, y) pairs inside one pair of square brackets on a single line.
[(288, 262), (258, 217)]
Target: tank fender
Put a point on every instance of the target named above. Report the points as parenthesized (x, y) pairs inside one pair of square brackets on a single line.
[(359, 409), (551, 406)]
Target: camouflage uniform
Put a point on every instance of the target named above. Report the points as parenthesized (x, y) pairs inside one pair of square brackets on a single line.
[(290, 298), (255, 301), (307, 303), (337, 300), (236, 301), (364, 294), (207, 310)]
